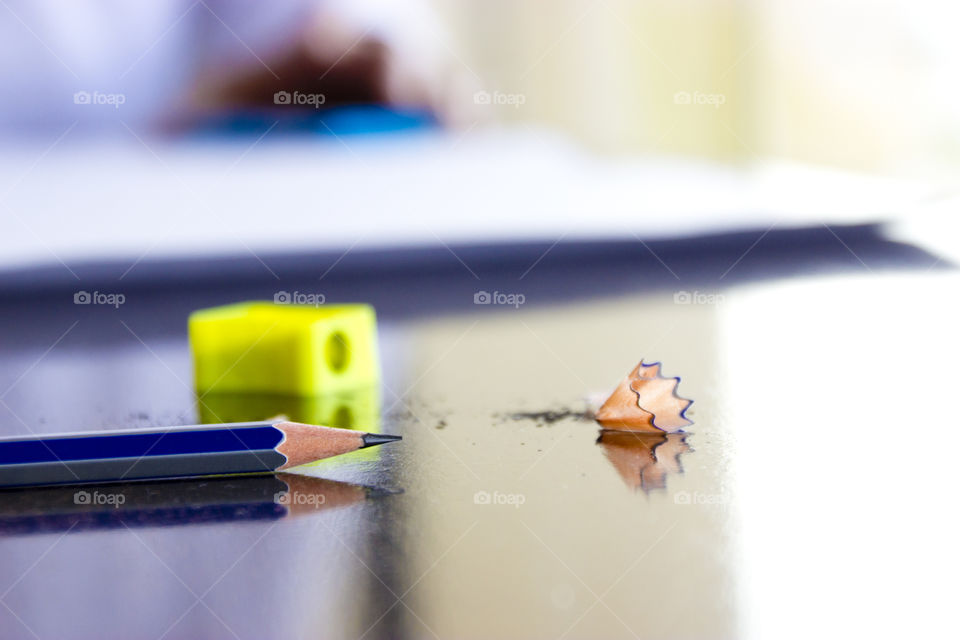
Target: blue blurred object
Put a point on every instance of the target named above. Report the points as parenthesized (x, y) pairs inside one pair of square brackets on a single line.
[(338, 121)]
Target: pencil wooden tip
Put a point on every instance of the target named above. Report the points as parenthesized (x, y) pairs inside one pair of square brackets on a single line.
[(373, 439)]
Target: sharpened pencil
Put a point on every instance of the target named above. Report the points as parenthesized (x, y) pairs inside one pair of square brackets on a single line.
[(173, 452)]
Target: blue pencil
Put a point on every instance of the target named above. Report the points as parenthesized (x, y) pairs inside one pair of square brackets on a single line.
[(173, 452)]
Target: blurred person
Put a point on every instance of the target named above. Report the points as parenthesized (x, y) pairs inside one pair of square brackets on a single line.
[(168, 63)]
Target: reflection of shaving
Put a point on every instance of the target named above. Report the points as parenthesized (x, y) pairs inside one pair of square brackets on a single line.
[(645, 401), (644, 460)]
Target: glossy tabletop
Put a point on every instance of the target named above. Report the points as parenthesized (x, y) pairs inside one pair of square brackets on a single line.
[(814, 494)]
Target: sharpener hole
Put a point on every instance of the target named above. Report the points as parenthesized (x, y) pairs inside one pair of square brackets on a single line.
[(337, 352)]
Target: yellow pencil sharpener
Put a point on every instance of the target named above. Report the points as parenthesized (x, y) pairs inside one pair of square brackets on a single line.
[(283, 349)]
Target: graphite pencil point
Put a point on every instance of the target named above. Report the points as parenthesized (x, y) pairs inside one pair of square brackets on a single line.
[(373, 439)]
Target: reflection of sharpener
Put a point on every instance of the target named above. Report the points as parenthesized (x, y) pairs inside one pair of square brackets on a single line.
[(355, 409), (317, 365)]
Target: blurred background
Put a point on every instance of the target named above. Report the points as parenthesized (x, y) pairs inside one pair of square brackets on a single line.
[(575, 120), (862, 86)]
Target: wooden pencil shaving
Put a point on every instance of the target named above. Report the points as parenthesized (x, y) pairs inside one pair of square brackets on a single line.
[(646, 402)]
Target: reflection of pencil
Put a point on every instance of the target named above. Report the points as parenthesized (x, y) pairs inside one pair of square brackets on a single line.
[(166, 503), (173, 452)]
